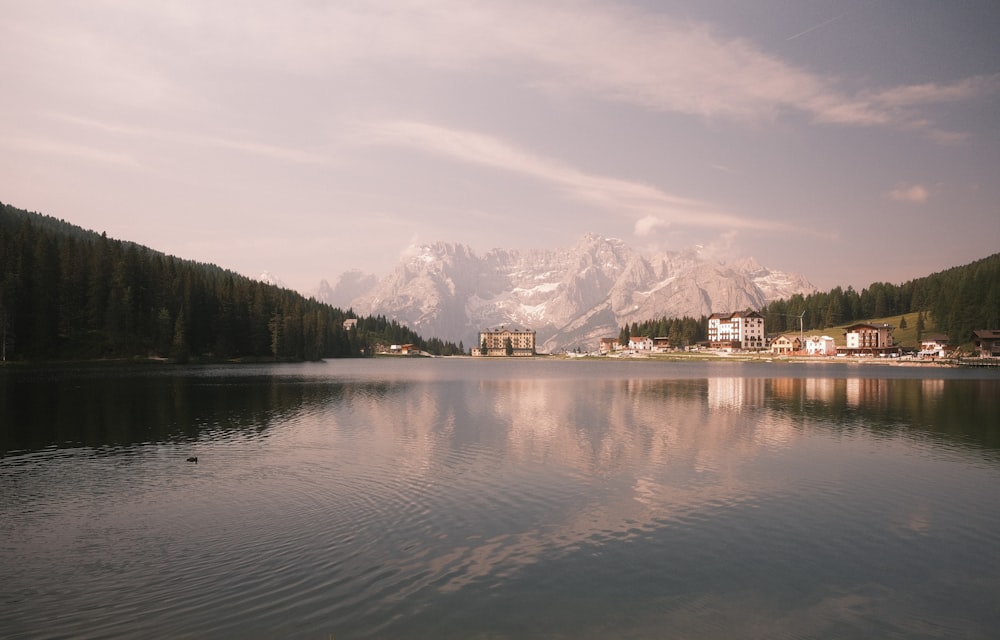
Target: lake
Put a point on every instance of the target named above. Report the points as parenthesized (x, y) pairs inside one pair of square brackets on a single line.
[(474, 498)]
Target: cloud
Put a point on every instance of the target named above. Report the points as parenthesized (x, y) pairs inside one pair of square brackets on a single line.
[(616, 52), (929, 93), (651, 207), (247, 145), (649, 224), (912, 193), (50, 147)]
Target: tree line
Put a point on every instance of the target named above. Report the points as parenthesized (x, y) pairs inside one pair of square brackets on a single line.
[(68, 293), (682, 332), (959, 300)]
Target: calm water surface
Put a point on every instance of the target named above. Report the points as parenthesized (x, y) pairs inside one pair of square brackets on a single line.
[(462, 498)]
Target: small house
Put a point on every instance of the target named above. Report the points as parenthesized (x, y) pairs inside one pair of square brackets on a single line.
[(934, 346), (820, 346), (786, 343), (608, 345), (661, 345), (640, 343), (987, 342)]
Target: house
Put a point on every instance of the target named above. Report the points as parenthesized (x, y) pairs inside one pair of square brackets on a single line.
[(350, 323), (820, 346), (608, 345), (870, 339), (987, 342), (661, 345), (506, 341), (737, 330), (935, 346), (786, 343), (403, 349), (640, 343)]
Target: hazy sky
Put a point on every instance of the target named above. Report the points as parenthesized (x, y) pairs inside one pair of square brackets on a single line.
[(848, 140)]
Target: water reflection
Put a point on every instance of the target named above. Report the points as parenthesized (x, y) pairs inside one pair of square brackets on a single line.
[(372, 500), (105, 406)]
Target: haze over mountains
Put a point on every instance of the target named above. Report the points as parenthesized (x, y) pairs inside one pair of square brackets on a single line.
[(571, 297)]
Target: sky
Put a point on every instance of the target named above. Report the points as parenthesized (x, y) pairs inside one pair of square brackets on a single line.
[(851, 141)]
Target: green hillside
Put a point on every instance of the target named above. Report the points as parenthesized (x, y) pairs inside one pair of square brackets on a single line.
[(955, 302), (906, 333), (67, 293)]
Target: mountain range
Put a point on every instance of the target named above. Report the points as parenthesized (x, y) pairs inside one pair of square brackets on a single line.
[(571, 297)]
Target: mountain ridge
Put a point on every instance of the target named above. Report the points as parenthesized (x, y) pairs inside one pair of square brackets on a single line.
[(570, 296)]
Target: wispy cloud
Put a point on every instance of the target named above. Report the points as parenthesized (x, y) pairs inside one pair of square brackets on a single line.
[(248, 145), (649, 207), (911, 193), (52, 147), (929, 93), (616, 52)]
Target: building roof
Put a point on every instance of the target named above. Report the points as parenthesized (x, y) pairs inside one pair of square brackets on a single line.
[(513, 328), (868, 325), (749, 313), (791, 337)]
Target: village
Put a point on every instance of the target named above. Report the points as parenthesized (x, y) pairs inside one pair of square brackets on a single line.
[(743, 332)]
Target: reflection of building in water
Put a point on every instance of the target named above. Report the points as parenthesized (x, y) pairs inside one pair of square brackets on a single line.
[(932, 388), (735, 393), (870, 392), (822, 389)]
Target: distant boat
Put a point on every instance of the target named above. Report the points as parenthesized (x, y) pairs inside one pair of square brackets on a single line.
[(193, 459)]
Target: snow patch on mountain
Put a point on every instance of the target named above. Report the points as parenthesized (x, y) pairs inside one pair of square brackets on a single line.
[(571, 297)]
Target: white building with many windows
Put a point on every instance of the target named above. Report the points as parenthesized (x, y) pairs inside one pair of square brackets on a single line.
[(737, 330)]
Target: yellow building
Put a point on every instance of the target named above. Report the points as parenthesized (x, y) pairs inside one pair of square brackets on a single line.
[(506, 341)]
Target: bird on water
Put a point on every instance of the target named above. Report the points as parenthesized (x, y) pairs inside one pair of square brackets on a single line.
[(193, 459)]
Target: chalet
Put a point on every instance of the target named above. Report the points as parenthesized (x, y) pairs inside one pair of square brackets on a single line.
[(935, 346), (820, 346), (640, 343), (608, 345), (786, 343), (350, 323), (661, 344), (737, 330), (870, 339), (403, 349), (987, 342), (506, 341)]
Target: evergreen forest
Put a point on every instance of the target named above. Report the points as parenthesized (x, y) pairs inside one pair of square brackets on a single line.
[(67, 293), (960, 300)]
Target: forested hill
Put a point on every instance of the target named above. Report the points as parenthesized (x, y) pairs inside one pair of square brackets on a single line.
[(68, 293), (960, 300)]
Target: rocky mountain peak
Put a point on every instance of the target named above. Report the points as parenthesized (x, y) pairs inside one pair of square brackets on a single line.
[(570, 297)]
